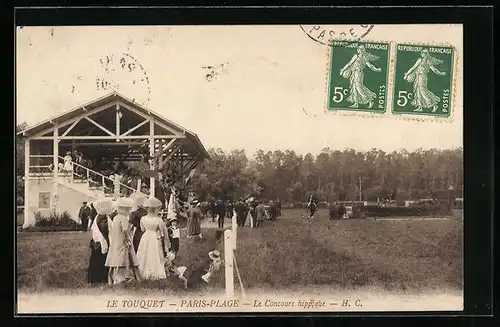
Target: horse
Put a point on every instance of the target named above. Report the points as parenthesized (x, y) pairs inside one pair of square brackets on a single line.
[(312, 206)]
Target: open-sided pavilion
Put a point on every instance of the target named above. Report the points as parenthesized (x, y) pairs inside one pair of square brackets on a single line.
[(110, 129)]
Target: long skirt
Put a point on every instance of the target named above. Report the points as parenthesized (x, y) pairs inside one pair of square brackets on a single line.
[(193, 227), (97, 272), (358, 93), (119, 275), (150, 256)]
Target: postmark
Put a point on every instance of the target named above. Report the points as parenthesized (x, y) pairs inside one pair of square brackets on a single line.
[(423, 80), (121, 72), (327, 34), (358, 76)]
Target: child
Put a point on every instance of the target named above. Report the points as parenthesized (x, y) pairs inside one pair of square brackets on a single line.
[(172, 270), (174, 236), (215, 265)]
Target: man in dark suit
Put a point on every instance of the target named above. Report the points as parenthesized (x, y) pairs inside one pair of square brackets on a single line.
[(93, 214), (221, 211), (240, 213), (84, 214)]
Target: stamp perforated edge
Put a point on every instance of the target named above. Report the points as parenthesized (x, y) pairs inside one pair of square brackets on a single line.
[(347, 111), (428, 117), (390, 88)]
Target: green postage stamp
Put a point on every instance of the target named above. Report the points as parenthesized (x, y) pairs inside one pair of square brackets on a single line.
[(423, 80), (417, 81), (359, 75)]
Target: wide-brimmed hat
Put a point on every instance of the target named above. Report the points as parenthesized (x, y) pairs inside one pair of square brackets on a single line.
[(124, 203), (152, 202), (170, 256), (195, 202), (172, 220), (139, 198), (103, 206), (214, 255)]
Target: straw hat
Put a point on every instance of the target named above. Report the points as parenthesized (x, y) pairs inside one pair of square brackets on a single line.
[(214, 255), (170, 256), (103, 206), (124, 203), (152, 203)]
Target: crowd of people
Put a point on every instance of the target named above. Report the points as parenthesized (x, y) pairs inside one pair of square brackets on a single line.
[(250, 212), (132, 238), (130, 241)]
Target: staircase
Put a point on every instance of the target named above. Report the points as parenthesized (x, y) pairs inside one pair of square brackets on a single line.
[(90, 182)]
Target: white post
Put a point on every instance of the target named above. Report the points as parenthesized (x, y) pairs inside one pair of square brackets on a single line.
[(235, 228), (28, 218), (55, 182), (151, 155), (228, 258), (139, 181), (117, 121)]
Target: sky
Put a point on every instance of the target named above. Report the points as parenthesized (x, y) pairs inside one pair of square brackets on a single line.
[(267, 91)]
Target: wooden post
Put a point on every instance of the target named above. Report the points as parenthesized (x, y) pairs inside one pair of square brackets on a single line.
[(55, 183), (117, 122), (229, 265), (235, 228), (151, 155), (28, 218)]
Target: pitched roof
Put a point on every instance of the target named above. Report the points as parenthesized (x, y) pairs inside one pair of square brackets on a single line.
[(75, 112)]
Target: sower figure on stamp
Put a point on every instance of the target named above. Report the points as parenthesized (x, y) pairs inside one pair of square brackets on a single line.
[(358, 92), (423, 98)]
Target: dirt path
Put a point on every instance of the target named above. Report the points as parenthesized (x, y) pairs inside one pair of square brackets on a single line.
[(307, 300)]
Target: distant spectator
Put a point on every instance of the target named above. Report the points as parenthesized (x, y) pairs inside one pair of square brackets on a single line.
[(68, 162), (83, 215), (260, 212)]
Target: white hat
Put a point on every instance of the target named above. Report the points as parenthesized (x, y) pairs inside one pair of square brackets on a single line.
[(124, 203), (214, 254), (170, 256), (139, 198), (181, 270), (103, 206), (152, 203)]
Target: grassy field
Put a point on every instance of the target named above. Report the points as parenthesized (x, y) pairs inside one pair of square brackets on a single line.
[(400, 255)]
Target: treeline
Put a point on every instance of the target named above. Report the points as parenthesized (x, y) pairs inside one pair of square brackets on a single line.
[(332, 175)]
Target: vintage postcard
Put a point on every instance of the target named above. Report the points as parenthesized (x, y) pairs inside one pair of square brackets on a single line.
[(248, 168)]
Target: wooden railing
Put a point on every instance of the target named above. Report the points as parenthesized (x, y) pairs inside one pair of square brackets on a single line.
[(96, 180)]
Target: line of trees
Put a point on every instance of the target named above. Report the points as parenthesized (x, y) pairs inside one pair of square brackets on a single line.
[(332, 175)]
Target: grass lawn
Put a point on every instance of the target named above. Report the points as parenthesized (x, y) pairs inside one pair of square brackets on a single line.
[(400, 255)]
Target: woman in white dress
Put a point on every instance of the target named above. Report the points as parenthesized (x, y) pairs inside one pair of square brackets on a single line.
[(68, 162), (151, 250)]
